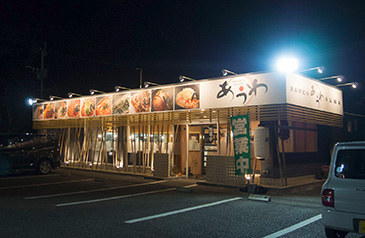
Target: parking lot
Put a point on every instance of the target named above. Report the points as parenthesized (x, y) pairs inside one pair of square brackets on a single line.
[(75, 203)]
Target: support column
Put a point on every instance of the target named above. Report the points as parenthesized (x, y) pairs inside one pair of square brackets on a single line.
[(187, 152)]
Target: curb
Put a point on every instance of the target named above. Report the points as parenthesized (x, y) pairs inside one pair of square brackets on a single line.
[(116, 173)]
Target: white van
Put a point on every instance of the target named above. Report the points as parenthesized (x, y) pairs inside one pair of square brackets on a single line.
[(343, 194)]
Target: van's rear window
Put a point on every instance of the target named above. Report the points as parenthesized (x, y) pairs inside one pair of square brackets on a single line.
[(350, 164)]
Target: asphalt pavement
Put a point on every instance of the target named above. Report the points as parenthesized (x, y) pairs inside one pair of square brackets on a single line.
[(75, 203)]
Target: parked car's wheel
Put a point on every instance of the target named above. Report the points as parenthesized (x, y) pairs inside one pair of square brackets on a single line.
[(44, 167), (334, 233)]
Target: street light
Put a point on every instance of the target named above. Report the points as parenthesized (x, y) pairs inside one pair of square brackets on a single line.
[(118, 88), (70, 95), (354, 85), (225, 72), (93, 91), (53, 97), (319, 69), (287, 64), (338, 77), (182, 78), (32, 101), (147, 84)]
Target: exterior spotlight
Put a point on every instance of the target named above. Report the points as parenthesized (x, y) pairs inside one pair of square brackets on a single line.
[(182, 78), (93, 91), (339, 78), (353, 85), (32, 101), (319, 69), (147, 84), (225, 72), (118, 88), (70, 95), (287, 64), (53, 97)]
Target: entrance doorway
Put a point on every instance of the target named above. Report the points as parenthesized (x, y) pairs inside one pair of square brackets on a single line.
[(209, 145), (202, 143)]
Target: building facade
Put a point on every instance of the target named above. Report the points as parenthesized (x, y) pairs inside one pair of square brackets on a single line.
[(175, 130)]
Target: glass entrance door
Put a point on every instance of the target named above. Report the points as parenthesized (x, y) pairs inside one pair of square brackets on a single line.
[(210, 146)]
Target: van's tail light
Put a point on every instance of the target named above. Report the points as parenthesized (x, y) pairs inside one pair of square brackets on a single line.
[(328, 198)]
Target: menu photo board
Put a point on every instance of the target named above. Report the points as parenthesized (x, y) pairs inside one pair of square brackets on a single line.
[(103, 105), (87, 107), (232, 91), (44, 111), (163, 99), (121, 103), (140, 101), (187, 96)]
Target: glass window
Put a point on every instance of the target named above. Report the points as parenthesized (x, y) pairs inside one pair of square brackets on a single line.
[(350, 164)]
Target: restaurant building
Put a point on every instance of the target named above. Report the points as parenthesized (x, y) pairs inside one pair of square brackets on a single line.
[(185, 129)]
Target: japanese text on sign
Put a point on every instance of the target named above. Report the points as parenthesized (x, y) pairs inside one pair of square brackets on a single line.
[(241, 143)]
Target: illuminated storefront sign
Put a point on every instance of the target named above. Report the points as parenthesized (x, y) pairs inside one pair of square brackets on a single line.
[(241, 144), (235, 91), (305, 92)]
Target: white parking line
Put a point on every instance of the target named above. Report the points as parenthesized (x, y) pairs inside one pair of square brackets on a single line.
[(94, 190), (181, 210), (32, 176), (45, 184), (295, 227), (113, 198)]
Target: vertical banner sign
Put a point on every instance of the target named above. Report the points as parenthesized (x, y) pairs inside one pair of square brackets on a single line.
[(241, 143)]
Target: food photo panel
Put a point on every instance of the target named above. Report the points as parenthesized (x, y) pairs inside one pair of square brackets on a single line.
[(141, 101), (162, 99), (38, 112), (121, 103), (61, 109), (103, 106), (187, 97), (48, 111), (88, 107), (73, 108)]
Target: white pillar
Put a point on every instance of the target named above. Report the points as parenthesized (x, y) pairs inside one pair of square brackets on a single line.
[(187, 152)]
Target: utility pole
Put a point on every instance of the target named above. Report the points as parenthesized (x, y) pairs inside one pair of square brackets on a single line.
[(42, 73), (140, 77)]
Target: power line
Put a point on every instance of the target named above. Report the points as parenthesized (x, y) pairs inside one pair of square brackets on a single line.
[(91, 60)]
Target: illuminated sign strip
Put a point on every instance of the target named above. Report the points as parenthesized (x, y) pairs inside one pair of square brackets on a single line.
[(235, 91)]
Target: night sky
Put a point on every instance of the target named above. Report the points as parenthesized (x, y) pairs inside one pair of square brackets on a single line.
[(99, 44)]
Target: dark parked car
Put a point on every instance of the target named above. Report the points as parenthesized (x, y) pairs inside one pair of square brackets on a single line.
[(24, 152)]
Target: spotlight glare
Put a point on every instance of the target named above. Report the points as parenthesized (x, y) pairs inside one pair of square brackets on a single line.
[(287, 64)]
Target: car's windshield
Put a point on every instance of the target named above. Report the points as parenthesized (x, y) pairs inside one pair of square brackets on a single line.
[(350, 164)]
